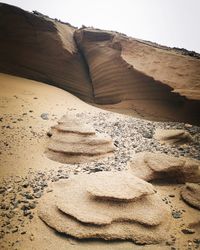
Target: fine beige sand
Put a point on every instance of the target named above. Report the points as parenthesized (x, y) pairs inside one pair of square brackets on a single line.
[(22, 143)]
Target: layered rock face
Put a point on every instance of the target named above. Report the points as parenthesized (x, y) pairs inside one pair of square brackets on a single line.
[(113, 78), (74, 142), (158, 166), (42, 49), (117, 78), (102, 67), (98, 206)]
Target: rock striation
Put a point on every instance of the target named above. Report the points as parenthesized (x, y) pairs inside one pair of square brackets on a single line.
[(158, 166), (136, 213), (173, 136), (118, 77), (190, 193), (42, 49), (102, 67), (74, 142)]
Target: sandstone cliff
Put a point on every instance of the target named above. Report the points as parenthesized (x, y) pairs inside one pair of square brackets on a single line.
[(41, 49), (101, 67)]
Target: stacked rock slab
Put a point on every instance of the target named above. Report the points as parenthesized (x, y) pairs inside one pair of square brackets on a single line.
[(191, 194), (173, 136), (106, 205), (158, 166), (74, 142)]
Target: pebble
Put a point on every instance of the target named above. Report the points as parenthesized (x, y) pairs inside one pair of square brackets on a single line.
[(44, 116), (176, 214), (188, 231)]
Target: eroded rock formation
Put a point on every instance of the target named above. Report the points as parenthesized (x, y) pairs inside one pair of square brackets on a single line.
[(117, 76), (102, 67), (72, 141), (39, 48), (158, 166), (191, 194), (136, 214), (173, 136)]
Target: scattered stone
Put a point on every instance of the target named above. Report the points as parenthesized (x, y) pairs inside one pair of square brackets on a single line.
[(32, 238), (45, 116), (177, 214), (38, 194), (49, 134), (188, 231)]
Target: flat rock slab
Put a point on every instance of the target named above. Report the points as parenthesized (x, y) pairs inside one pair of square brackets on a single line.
[(63, 223), (73, 210), (157, 166), (119, 186), (173, 136), (191, 194), (146, 210)]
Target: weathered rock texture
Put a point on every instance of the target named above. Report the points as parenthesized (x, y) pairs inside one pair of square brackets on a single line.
[(42, 49), (117, 76), (74, 210), (74, 142), (191, 194), (173, 136), (157, 166), (98, 66)]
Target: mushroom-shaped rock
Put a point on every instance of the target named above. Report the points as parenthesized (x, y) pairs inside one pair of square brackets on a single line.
[(77, 209), (191, 194), (173, 136), (74, 142), (158, 166)]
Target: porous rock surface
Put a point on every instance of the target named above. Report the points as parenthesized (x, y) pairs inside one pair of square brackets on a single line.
[(74, 142), (73, 210), (159, 166), (110, 186), (173, 136), (191, 194)]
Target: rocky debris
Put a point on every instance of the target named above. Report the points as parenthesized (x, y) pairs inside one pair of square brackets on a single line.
[(72, 209), (74, 142), (173, 136), (190, 193), (177, 214), (157, 166)]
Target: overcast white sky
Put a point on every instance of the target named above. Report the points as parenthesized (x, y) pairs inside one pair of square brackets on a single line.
[(168, 22)]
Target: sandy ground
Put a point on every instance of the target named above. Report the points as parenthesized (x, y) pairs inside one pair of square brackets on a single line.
[(22, 144)]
